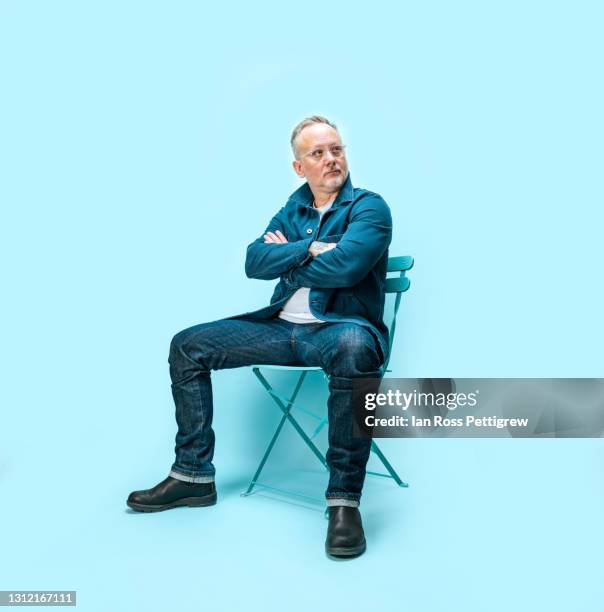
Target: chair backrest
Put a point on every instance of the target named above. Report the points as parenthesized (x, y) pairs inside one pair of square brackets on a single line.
[(398, 285)]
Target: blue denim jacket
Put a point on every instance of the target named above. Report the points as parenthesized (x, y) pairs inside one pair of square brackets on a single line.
[(347, 283)]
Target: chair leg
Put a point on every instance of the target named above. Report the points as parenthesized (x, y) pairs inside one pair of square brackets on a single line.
[(286, 405), (318, 429), (376, 449), (286, 409), (287, 412), (266, 454)]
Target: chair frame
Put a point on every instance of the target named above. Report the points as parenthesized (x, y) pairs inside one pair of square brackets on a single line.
[(396, 285)]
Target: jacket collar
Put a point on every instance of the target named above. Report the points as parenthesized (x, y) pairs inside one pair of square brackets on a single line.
[(303, 195)]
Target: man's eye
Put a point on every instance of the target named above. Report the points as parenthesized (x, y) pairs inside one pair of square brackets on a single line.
[(317, 153)]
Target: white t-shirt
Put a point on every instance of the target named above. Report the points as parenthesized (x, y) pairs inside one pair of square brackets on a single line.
[(297, 309)]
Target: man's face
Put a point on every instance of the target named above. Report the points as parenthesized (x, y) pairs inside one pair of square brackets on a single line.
[(320, 158)]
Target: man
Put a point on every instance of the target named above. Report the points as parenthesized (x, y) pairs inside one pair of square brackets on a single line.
[(329, 247)]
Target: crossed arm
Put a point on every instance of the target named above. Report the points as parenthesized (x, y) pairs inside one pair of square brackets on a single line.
[(324, 265), (316, 247), (269, 259)]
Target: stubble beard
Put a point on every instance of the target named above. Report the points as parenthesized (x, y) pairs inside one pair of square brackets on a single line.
[(334, 183)]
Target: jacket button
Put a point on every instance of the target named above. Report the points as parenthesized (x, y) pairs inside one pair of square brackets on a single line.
[(309, 231)]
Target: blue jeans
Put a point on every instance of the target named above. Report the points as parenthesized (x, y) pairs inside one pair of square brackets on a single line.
[(344, 350)]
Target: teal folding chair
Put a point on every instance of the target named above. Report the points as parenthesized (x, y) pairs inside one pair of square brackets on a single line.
[(394, 285)]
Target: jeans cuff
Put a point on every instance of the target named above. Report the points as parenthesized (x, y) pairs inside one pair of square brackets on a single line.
[(335, 501), (194, 479)]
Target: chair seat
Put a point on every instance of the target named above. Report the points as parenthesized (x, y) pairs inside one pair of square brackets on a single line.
[(286, 368)]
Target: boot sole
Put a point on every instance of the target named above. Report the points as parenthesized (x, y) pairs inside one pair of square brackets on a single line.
[(193, 502), (347, 551)]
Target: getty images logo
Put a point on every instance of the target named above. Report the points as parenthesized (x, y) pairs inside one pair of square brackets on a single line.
[(419, 399)]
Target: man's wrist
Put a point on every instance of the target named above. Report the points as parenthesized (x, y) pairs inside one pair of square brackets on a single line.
[(317, 247)]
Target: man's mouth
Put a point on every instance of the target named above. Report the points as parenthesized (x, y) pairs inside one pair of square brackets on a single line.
[(333, 172)]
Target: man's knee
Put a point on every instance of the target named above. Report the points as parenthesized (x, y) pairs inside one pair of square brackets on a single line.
[(186, 348), (178, 346), (354, 353)]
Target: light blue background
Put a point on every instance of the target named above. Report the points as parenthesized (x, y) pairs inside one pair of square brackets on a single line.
[(144, 145)]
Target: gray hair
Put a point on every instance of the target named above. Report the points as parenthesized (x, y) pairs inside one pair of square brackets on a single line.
[(305, 123)]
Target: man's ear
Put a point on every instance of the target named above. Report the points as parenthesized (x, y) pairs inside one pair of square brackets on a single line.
[(297, 164)]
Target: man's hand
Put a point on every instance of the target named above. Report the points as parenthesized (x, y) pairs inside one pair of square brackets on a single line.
[(274, 238), (316, 247)]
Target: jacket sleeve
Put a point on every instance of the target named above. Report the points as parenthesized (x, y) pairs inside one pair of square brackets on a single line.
[(365, 240), (267, 261)]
